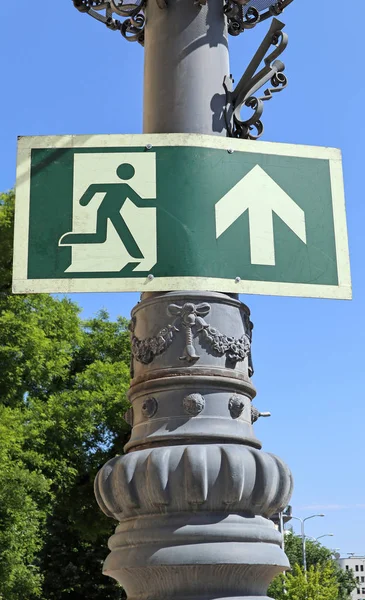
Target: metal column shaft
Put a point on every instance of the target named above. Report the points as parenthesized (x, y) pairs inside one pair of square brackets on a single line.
[(186, 60)]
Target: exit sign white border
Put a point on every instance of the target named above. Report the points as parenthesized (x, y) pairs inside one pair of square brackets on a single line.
[(23, 285)]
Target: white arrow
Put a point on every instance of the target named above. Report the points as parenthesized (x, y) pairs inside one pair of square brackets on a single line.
[(258, 193)]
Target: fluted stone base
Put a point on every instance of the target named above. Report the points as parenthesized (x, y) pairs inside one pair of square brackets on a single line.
[(210, 555), (199, 477)]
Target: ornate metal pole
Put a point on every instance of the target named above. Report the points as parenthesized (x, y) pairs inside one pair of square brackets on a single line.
[(193, 492)]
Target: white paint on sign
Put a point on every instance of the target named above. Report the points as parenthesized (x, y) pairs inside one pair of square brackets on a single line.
[(112, 255), (142, 224), (258, 193)]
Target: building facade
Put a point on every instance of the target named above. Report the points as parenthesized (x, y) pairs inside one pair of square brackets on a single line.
[(357, 565)]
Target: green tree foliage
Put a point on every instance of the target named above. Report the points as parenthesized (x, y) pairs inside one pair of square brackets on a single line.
[(317, 555), (6, 240), (23, 492), (63, 384), (319, 583)]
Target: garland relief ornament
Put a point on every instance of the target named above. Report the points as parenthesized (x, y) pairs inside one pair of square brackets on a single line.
[(190, 320), (145, 350)]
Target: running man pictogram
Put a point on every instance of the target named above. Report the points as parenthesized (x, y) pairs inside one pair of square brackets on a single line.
[(115, 196)]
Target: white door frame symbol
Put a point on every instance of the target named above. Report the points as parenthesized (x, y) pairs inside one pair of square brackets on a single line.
[(111, 255)]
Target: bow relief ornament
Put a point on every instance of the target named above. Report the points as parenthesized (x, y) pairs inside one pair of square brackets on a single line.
[(191, 316), (190, 320)]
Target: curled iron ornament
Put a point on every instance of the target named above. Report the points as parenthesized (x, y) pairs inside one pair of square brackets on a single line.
[(244, 95), (237, 19), (124, 10), (244, 129), (242, 15), (132, 29), (275, 9)]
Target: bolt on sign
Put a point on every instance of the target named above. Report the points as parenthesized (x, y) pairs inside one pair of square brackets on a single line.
[(179, 211)]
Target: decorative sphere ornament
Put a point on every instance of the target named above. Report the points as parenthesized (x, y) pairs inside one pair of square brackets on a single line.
[(193, 404)]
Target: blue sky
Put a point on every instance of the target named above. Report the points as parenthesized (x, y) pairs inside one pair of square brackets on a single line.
[(62, 72)]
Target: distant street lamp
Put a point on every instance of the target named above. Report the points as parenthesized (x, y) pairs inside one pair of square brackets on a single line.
[(315, 539), (302, 521), (324, 535)]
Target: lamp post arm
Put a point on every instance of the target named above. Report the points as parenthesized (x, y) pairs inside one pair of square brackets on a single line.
[(302, 521)]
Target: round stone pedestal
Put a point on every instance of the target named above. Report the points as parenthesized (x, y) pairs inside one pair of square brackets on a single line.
[(194, 492)]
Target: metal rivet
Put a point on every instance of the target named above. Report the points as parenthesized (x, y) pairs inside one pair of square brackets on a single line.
[(230, 151), (148, 146), (150, 277), (238, 279)]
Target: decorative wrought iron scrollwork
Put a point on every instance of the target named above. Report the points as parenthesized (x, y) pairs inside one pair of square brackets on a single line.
[(251, 81), (132, 29), (275, 9), (246, 14), (241, 14), (239, 20)]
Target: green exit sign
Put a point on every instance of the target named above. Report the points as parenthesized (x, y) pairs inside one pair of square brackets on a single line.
[(178, 211)]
